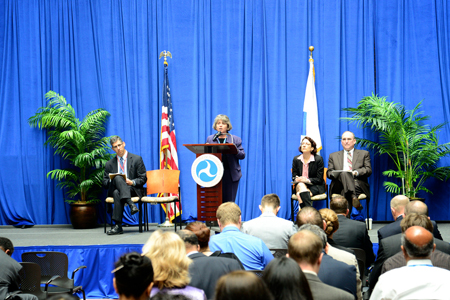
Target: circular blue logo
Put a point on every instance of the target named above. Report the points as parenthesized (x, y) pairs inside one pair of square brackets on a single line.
[(206, 170)]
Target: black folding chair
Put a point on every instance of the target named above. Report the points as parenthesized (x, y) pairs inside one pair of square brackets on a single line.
[(51, 264)]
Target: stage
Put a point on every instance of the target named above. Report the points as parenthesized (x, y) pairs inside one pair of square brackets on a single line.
[(98, 251)]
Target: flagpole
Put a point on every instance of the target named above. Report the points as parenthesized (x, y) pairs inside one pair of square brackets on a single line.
[(311, 49), (167, 222)]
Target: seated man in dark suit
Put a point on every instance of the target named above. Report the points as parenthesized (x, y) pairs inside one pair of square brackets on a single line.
[(351, 233), (398, 205), (390, 246), (356, 168), (9, 272), (205, 270), (120, 189), (306, 249)]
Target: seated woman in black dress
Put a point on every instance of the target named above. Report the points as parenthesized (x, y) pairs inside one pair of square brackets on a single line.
[(307, 172)]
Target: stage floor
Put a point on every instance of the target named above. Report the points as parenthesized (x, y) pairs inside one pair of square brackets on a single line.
[(59, 235)]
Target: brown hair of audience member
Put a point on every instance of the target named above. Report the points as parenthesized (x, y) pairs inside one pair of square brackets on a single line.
[(313, 145), (417, 242), (331, 220), (305, 247), (167, 252), (241, 285), (229, 213), (417, 207), (414, 219), (270, 200), (339, 205), (309, 215), (202, 232)]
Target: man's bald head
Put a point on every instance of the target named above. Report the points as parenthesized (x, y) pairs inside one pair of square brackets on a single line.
[(399, 202), (417, 242), (417, 207)]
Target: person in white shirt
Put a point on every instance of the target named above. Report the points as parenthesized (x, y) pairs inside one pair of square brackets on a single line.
[(419, 279)]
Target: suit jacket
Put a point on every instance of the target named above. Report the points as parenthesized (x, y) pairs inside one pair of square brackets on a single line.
[(390, 246), (349, 259), (346, 280), (206, 270), (315, 173), (360, 163), (438, 258), (323, 291), (353, 234), (135, 171), (233, 159), (275, 232), (394, 228)]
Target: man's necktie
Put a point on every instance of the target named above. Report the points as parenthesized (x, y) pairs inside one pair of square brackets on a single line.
[(121, 166), (349, 160)]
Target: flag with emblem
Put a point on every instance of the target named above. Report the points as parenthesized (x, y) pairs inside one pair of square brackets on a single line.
[(168, 151), (310, 113)]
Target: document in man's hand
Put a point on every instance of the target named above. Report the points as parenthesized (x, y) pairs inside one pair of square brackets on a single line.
[(336, 173), (112, 175)]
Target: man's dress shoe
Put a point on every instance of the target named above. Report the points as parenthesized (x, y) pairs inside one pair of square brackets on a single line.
[(133, 209), (115, 230)]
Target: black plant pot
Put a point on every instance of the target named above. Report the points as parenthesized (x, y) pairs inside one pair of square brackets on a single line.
[(83, 216)]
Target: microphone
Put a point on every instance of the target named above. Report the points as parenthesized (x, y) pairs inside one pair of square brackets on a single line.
[(217, 135)]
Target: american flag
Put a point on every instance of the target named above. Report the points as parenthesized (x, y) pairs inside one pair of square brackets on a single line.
[(168, 153)]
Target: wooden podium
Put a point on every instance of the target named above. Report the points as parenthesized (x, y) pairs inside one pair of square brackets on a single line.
[(210, 198)]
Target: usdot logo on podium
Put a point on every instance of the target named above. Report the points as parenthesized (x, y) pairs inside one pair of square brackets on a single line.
[(207, 170)]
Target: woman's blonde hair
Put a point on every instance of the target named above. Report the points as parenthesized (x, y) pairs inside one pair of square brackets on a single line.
[(223, 118), (331, 219), (167, 252)]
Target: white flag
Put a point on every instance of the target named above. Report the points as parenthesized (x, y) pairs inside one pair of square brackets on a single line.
[(310, 115)]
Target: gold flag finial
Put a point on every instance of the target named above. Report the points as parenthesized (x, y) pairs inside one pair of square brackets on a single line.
[(311, 49), (165, 54)]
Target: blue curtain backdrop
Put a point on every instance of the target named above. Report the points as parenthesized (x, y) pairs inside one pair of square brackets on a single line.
[(247, 59)]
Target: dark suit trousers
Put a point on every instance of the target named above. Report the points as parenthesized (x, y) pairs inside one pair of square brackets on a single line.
[(229, 187), (348, 187), (122, 194)]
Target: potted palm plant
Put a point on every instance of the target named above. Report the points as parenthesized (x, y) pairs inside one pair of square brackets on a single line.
[(412, 145), (84, 146)]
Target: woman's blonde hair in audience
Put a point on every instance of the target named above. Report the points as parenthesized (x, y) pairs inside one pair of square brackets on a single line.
[(168, 255), (331, 219)]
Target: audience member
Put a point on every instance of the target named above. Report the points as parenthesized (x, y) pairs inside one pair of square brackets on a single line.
[(286, 280), (241, 285), (205, 270), (351, 233), (347, 279), (251, 251), (9, 272), (398, 205), (133, 277), (310, 215), (305, 248), (203, 233), (421, 208), (274, 231), (167, 252), (337, 252), (64, 297), (419, 279)]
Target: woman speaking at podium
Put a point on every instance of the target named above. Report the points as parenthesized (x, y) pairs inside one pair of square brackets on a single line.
[(232, 169)]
